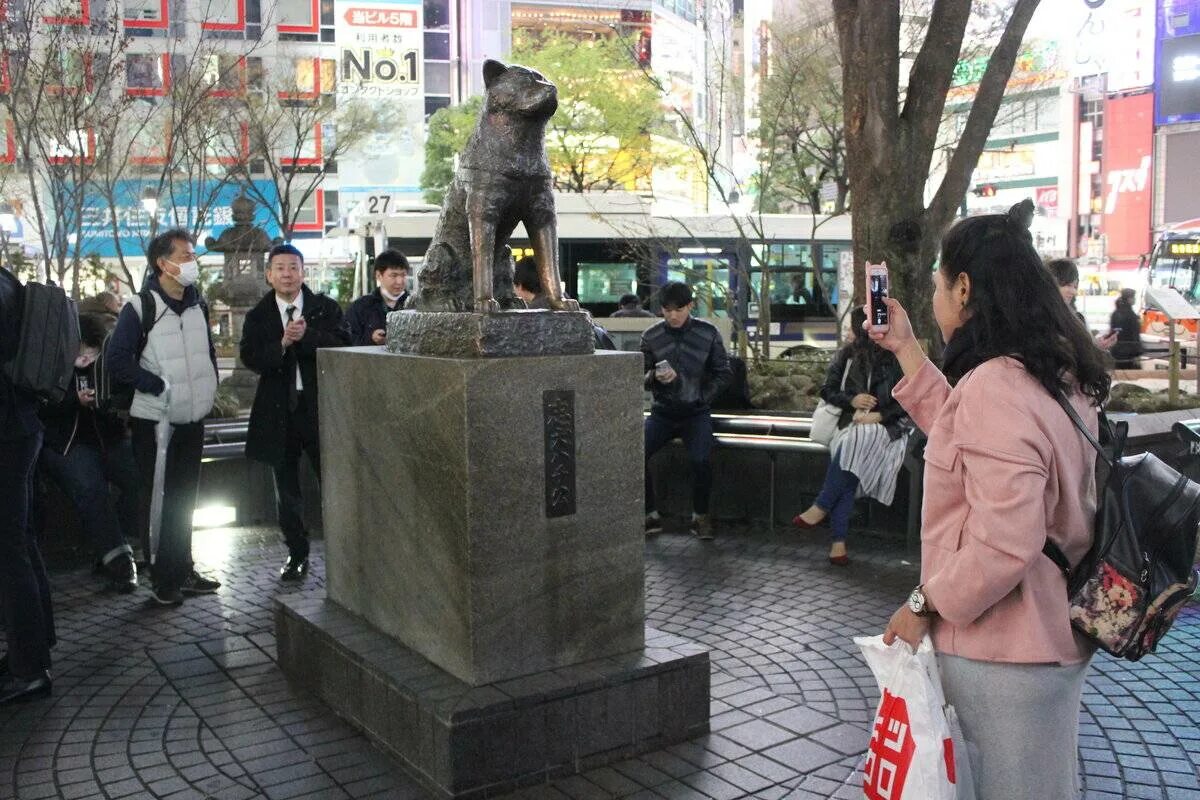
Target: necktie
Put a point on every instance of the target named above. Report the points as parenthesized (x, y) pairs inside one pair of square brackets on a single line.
[(293, 365)]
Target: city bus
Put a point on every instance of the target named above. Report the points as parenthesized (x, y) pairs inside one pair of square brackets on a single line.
[(1174, 263), (614, 243)]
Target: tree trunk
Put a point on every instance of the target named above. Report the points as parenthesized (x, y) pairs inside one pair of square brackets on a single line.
[(889, 149)]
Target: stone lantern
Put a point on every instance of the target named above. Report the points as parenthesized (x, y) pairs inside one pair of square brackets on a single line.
[(245, 247)]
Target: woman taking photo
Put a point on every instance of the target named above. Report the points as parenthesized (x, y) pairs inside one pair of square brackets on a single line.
[(1005, 469), (868, 449)]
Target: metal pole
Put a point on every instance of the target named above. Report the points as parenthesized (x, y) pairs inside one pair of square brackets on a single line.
[(1173, 385)]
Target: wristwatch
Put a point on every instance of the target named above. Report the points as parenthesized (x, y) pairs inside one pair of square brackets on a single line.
[(917, 602)]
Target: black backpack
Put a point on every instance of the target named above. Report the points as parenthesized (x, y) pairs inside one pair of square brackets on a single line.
[(47, 345), (1140, 570), (112, 395)]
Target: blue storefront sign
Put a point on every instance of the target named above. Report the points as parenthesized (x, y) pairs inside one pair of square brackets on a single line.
[(1177, 72), (181, 205)]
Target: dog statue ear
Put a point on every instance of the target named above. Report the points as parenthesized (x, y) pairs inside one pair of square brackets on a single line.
[(492, 70)]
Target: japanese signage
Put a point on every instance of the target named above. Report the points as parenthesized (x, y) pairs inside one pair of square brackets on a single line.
[(1047, 199), (1128, 149), (380, 53), (1115, 41), (1036, 66), (180, 205), (1177, 78)]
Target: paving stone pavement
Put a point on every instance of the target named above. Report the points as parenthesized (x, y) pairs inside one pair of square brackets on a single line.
[(186, 703)]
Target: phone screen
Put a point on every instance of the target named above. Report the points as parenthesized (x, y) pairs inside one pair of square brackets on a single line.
[(879, 290)]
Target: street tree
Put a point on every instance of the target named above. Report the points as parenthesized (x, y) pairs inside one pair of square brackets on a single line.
[(802, 131), (892, 131), (449, 130), (64, 85), (290, 136)]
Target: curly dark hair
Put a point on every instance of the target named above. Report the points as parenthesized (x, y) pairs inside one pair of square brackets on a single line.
[(1016, 309)]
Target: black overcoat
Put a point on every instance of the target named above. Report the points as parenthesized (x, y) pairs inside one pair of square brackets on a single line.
[(262, 351)]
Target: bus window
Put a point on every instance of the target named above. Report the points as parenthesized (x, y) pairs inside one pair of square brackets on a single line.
[(606, 282), (1176, 272), (709, 279)]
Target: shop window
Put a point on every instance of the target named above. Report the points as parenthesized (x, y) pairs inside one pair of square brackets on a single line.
[(310, 78), (232, 19), (67, 12), (229, 148), (151, 144), (69, 73), (437, 15), (147, 75), (310, 211), (302, 151), (231, 75), (146, 13)]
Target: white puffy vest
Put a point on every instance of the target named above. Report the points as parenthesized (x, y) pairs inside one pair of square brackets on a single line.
[(177, 352)]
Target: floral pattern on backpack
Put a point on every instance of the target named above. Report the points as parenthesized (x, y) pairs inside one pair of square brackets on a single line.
[(1106, 607)]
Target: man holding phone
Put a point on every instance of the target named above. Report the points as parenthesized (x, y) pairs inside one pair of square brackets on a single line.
[(686, 367)]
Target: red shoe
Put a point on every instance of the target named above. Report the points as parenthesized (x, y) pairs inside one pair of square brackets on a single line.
[(839, 561), (802, 524)]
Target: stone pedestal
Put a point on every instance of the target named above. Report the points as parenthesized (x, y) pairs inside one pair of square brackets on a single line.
[(484, 566), (486, 512)]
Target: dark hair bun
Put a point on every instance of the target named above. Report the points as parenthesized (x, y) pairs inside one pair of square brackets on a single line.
[(1020, 216)]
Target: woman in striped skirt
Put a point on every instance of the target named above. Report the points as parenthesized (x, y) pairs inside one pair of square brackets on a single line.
[(868, 449)]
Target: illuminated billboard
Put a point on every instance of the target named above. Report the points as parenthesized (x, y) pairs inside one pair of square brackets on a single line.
[(1177, 73)]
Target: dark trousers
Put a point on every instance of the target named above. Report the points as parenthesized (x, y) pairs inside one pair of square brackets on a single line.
[(24, 588), (173, 558), (837, 498), (301, 438), (697, 434), (84, 474)]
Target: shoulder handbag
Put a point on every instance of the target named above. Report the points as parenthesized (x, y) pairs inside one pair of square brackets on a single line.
[(826, 416), (1127, 590)]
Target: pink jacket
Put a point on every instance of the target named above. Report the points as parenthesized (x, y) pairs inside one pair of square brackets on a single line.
[(1004, 468)]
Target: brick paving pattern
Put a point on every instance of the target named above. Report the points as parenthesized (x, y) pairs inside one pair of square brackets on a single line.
[(186, 703)]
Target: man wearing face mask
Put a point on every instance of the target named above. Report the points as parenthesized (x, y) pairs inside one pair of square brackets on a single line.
[(174, 373), (367, 316)]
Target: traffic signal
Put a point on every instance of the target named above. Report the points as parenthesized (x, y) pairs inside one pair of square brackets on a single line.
[(985, 190)]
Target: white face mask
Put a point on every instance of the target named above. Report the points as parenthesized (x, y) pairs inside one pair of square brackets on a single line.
[(189, 272)]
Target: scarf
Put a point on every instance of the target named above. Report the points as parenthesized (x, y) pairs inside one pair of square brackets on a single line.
[(963, 352)]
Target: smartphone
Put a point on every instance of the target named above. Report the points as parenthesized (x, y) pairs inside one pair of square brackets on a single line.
[(662, 367), (1114, 330), (877, 291), (85, 382)]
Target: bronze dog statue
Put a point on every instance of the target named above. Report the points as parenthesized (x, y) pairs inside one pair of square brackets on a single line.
[(503, 178)]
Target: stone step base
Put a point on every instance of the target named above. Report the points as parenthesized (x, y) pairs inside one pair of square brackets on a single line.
[(465, 741)]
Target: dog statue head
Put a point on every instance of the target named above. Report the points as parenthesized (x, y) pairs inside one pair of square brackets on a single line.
[(518, 91)]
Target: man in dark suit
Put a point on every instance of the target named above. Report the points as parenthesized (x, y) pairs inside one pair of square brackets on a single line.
[(280, 338), (367, 316)]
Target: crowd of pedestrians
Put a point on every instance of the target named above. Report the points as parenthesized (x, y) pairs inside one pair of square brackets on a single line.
[(1005, 470)]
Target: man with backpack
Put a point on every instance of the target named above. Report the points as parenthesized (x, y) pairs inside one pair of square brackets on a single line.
[(24, 588), (172, 365), (87, 448)]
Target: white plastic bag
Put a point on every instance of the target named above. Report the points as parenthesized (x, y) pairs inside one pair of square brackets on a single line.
[(911, 755)]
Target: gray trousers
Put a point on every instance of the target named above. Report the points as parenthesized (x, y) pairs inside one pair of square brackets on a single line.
[(1021, 723)]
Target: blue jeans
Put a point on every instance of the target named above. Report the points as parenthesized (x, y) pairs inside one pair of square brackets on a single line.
[(696, 432), (837, 498), (24, 589), (84, 474)]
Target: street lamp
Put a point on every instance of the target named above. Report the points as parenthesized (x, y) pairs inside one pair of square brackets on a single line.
[(150, 200)]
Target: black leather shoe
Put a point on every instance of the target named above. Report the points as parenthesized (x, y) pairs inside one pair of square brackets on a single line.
[(122, 572), (18, 690), (294, 569)]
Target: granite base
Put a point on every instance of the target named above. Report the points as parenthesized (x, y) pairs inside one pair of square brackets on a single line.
[(474, 335), (464, 741)]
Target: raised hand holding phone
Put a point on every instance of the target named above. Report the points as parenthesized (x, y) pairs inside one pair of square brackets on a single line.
[(877, 293)]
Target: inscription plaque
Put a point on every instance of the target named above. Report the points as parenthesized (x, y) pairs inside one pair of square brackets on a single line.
[(558, 417)]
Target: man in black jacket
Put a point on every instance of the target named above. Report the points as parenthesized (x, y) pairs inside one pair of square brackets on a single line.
[(85, 450), (686, 367), (24, 588), (280, 338), (367, 316)]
